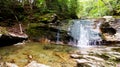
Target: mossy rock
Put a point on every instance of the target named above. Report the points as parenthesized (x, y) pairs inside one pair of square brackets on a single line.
[(3, 30), (36, 32), (47, 18)]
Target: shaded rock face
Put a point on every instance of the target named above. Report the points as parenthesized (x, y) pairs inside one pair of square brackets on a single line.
[(6, 40), (110, 31), (43, 32), (106, 28)]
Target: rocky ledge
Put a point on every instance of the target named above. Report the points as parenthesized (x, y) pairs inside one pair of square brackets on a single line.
[(97, 57), (11, 38)]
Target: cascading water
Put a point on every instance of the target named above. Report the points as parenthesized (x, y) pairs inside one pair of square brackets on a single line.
[(58, 37), (83, 33), (83, 38)]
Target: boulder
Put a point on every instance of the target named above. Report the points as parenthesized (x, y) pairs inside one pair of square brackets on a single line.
[(7, 40), (109, 18)]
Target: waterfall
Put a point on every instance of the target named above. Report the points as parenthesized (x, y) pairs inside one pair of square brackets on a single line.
[(84, 37), (83, 40), (58, 37), (82, 31)]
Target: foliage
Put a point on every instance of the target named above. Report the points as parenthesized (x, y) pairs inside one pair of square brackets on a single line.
[(10, 10), (96, 8), (20, 9)]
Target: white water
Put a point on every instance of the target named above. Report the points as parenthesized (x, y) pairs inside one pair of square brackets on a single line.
[(58, 36), (82, 31), (84, 37)]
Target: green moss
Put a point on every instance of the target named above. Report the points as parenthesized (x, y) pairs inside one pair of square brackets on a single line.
[(41, 31), (3, 30), (104, 56), (116, 49), (116, 17), (37, 31)]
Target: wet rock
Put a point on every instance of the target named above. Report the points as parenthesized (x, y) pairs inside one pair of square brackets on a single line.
[(93, 58), (82, 63), (88, 63), (114, 56), (114, 53), (75, 56), (35, 64), (75, 52), (84, 52), (98, 57)]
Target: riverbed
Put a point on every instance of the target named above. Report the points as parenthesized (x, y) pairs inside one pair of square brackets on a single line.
[(56, 55)]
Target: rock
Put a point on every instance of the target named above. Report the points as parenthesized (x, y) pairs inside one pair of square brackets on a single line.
[(97, 57), (10, 65), (84, 52), (93, 58), (1, 64), (118, 65), (117, 35), (19, 44), (7, 40), (18, 35), (109, 18), (110, 38), (75, 52), (87, 63), (82, 63), (30, 56), (114, 55), (75, 56), (35, 64)]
